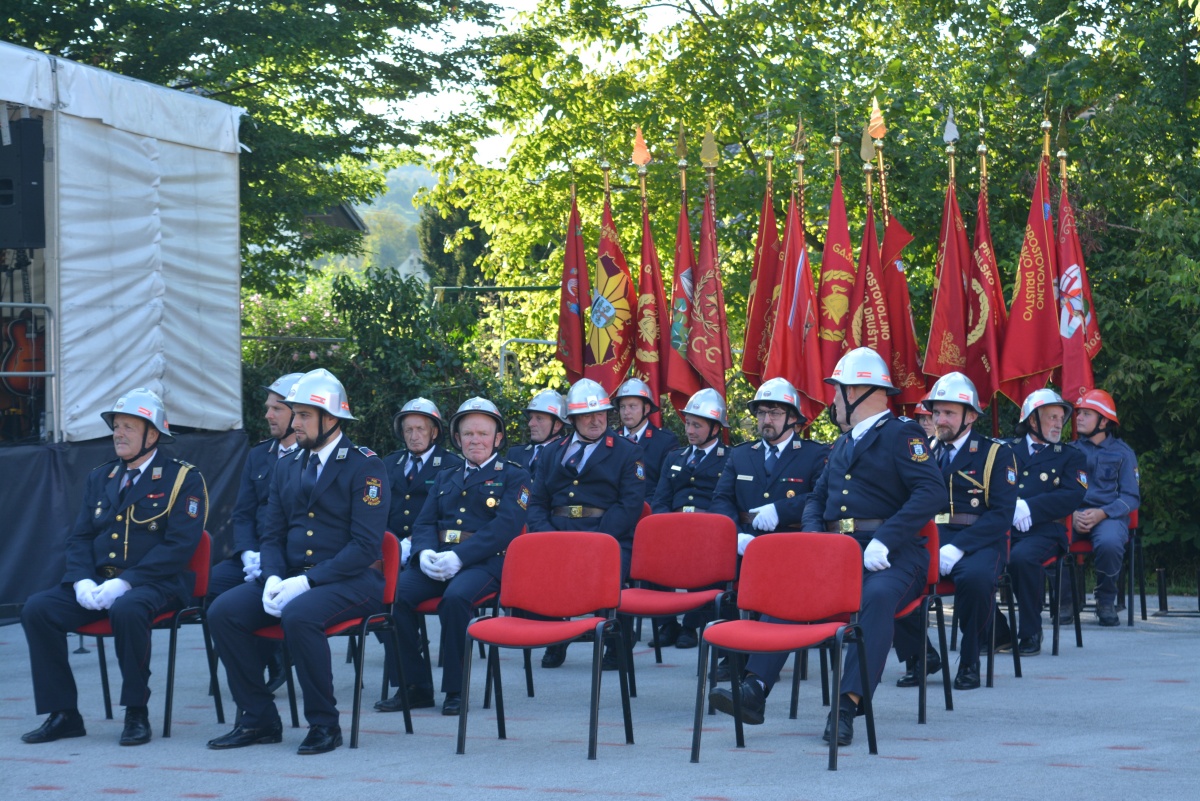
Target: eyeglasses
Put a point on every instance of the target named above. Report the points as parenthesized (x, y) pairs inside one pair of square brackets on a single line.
[(774, 414)]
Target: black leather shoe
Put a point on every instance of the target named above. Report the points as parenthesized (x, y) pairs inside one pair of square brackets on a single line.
[(417, 699), (1030, 646), (275, 675), (722, 673), (933, 663), (452, 706), (554, 657), (137, 727), (754, 702), (666, 636), (242, 736), (968, 676), (59, 726), (845, 734), (320, 740), (1107, 613), (686, 639)]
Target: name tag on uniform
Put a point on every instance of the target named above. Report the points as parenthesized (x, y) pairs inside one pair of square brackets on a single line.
[(676, 467), (745, 478)]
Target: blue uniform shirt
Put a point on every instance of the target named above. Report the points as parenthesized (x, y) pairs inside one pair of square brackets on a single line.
[(1112, 477)]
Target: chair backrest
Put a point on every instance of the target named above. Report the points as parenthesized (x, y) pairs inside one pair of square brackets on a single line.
[(802, 576), (200, 565), (391, 566), (562, 573), (684, 550), (646, 511), (930, 532)]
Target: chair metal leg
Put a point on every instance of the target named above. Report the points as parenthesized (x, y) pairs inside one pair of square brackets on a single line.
[(408, 729), (795, 685), (104, 678), (739, 730), (468, 653), (291, 685), (594, 712), (214, 684), (624, 676), (359, 661), (1077, 599), (698, 718), (825, 674), (1012, 627), (528, 671), (954, 630), (1141, 571), (922, 677), (170, 676), (626, 647), (498, 688), (1055, 602), (945, 657)]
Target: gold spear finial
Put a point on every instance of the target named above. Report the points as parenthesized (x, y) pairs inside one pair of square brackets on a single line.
[(982, 149), (836, 141), (878, 130), (641, 157), (681, 155), (709, 154)]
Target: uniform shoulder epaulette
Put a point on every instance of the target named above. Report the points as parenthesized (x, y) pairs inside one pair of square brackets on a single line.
[(514, 464), (185, 464), (883, 420), (906, 419), (365, 451), (756, 445)]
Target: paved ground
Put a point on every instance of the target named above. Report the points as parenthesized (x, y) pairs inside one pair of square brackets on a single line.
[(1119, 718)]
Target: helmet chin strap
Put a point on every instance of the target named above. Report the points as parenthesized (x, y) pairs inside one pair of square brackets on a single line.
[(850, 407), (556, 428), (645, 416), (145, 448), (584, 439), (1096, 429), (323, 435)]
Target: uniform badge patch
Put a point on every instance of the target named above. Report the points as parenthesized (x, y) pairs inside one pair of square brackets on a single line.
[(523, 497), (372, 492), (608, 442), (193, 506), (974, 447), (918, 450), (1012, 475), (437, 461), (1083, 479), (341, 454), (641, 471), (156, 474)]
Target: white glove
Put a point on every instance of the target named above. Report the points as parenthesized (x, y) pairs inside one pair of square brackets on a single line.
[(743, 541), (875, 556), (251, 564), (405, 550), (104, 595), (948, 557), (268, 596), (1022, 519), (287, 591), (766, 518), (429, 564), (450, 563), (83, 594)]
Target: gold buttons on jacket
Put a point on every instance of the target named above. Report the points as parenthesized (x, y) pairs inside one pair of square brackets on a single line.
[(575, 482), (843, 508), (847, 476), (312, 514), (308, 553), (309, 532), (119, 518), (112, 556), (766, 495), (116, 536)]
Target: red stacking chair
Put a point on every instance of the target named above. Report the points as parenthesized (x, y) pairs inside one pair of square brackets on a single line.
[(677, 551), (191, 614), (921, 606), (359, 628), (810, 580), (1054, 562), (945, 588), (1133, 553), (554, 574)]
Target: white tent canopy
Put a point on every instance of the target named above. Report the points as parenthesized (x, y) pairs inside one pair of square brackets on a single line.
[(141, 267)]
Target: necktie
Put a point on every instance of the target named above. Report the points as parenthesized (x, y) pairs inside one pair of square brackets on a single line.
[(308, 479), (632, 438), (537, 449), (945, 455), (772, 458), (695, 458), (572, 463), (414, 467), (130, 475), (1037, 447)]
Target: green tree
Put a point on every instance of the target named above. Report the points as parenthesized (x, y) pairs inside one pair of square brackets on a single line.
[(451, 244), (323, 86), (1120, 79)]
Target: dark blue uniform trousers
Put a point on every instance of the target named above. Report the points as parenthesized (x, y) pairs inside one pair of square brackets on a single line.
[(236, 614), (50, 615), (1028, 575), (226, 575), (460, 595), (884, 592), (1109, 538), (974, 578)]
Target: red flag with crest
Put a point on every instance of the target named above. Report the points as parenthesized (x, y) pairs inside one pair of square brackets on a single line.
[(682, 379), (653, 333), (708, 347), (987, 317), (1032, 345), (763, 295), (868, 324), (837, 284), (1077, 323), (575, 299), (608, 352), (946, 351), (905, 364), (795, 352)]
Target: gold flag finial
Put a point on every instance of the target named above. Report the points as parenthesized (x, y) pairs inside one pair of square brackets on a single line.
[(867, 151), (681, 147), (641, 153), (876, 127), (709, 155)]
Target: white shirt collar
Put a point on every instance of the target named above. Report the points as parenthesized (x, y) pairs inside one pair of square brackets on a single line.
[(864, 425)]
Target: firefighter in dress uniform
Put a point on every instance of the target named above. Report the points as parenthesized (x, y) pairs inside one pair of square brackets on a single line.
[(546, 419), (635, 404)]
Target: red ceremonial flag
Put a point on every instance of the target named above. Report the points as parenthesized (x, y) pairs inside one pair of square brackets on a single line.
[(653, 333), (795, 352), (763, 294), (946, 351), (837, 282), (682, 380), (608, 353), (1077, 324), (987, 317), (1032, 345), (868, 324), (708, 347), (575, 299), (905, 363)]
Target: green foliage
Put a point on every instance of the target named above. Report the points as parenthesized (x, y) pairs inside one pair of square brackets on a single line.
[(1120, 80), (323, 86)]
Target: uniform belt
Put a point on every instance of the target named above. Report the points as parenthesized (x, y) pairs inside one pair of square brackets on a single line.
[(108, 571), (577, 511), (452, 536), (687, 509), (849, 525), (955, 519), (376, 565)]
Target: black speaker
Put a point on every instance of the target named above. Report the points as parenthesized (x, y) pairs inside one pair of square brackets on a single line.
[(22, 187)]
